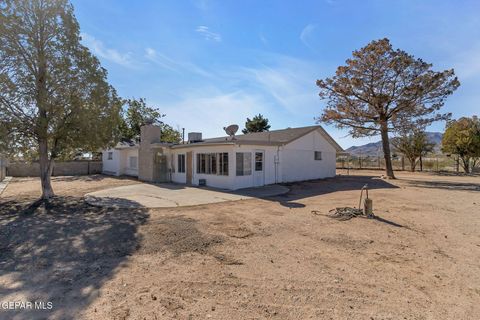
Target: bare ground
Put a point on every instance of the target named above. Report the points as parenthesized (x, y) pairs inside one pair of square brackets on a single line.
[(253, 259)]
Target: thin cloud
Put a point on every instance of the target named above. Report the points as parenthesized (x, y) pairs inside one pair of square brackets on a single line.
[(160, 60), (306, 34), (215, 107), (208, 35), (202, 5), (168, 63), (263, 39), (467, 63), (99, 49), (289, 81)]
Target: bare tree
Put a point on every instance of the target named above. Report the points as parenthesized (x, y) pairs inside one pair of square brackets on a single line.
[(382, 90)]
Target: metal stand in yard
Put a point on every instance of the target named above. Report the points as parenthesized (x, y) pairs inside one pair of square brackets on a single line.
[(367, 203), (347, 213)]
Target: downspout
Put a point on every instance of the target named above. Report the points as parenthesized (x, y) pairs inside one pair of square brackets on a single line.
[(277, 162), (170, 170)]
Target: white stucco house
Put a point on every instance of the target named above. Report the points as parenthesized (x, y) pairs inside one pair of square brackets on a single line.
[(255, 159)]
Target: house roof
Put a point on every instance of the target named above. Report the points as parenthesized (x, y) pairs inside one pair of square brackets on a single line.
[(127, 144), (275, 138)]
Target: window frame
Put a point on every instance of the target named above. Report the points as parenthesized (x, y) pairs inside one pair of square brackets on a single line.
[(130, 162), (223, 163), (209, 163), (110, 155), (259, 162), (317, 155), (243, 166), (181, 163)]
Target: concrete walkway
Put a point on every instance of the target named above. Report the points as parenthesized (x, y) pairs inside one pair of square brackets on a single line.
[(174, 195)]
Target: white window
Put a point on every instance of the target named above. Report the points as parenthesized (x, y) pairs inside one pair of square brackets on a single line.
[(110, 156), (207, 163), (318, 155), (133, 162), (244, 163), (212, 163), (181, 163), (258, 161), (223, 164)]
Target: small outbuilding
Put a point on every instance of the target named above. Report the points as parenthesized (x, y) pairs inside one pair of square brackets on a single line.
[(234, 162)]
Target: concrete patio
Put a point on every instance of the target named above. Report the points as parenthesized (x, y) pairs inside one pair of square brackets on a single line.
[(169, 195)]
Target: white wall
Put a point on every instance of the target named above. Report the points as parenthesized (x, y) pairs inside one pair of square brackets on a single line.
[(298, 162), (295, 162), (232, 181), (111, 166), (268, 166), (213, 180), (178, 177), (119, 165), (125, 168)]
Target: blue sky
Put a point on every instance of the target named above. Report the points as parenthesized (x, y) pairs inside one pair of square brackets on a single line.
[(210, 63)]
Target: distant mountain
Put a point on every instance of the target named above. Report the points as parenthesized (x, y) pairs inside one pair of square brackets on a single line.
[(375, 148), (369, 149)]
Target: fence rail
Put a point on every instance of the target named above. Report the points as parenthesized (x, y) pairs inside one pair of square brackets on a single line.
[(430, 163), (63, 168)]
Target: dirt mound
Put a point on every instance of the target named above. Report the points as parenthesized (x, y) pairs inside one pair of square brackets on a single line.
[(176, 234)]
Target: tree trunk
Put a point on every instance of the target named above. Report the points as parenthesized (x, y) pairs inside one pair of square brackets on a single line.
[(46, 168), (413, 164), (474, 163), (386, 150), (466, 164), (421, 164)]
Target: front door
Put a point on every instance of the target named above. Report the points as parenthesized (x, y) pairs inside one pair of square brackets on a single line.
[(189, 167), (259, 168), (160, 168)]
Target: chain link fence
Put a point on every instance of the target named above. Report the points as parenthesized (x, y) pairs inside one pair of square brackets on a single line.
[(433, 163)]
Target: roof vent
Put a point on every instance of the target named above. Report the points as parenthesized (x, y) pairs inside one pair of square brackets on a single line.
[(194, 137)]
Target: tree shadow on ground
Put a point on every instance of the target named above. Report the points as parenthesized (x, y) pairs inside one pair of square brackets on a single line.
[(454, 174), (306, 189), (62, 252), (458, 186)]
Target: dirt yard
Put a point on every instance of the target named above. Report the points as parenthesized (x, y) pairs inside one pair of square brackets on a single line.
[(251, 259)]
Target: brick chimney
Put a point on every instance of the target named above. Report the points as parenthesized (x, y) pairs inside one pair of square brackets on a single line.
[(150, 134), (146, 155)]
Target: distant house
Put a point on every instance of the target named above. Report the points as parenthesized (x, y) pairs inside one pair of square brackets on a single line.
[(254, 159)]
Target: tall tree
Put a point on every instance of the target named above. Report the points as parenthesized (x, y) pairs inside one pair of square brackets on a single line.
[(462, 138), (413, 146), (54, 95), (170, 134), (257, 124), (382, 90), (137, 114)]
